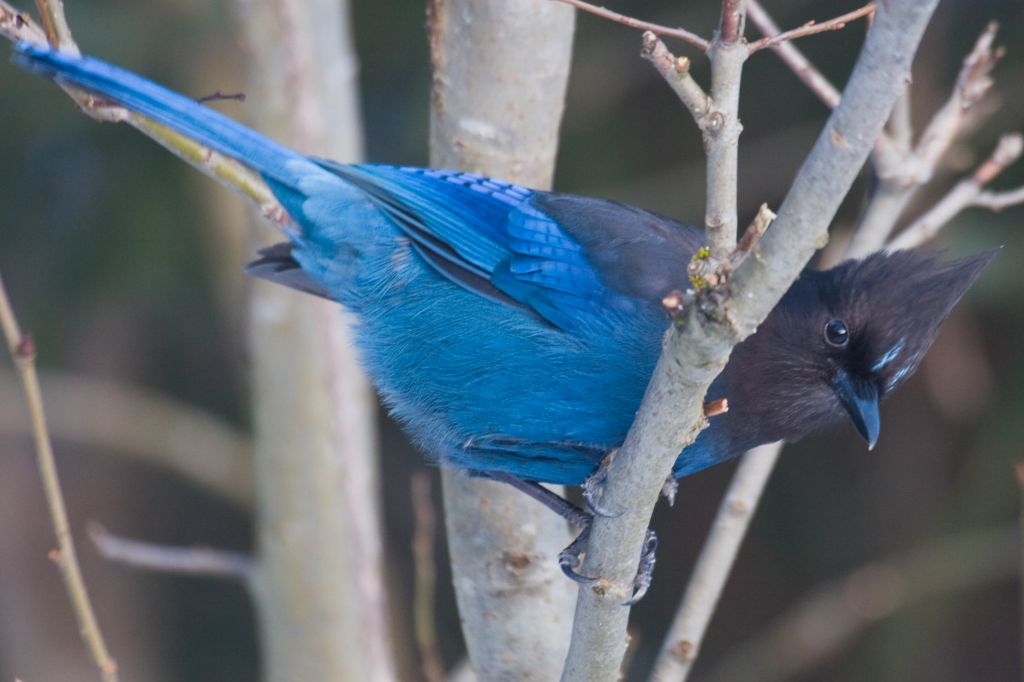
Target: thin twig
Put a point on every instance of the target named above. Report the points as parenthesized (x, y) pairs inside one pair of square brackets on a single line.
[(811, 28), (23, 353), (714, 564), (793, 57), (604, 13), (55, 24), (903, 171), (967, 193), (676, 72), (197, 561), (424, 592)]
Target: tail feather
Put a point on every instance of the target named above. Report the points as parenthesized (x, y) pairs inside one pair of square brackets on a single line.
[(175, 111)]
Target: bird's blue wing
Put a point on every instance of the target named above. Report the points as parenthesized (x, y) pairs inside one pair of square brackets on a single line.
[(551, 253)]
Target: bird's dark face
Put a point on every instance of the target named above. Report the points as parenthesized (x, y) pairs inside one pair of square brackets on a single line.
[(841, 340)]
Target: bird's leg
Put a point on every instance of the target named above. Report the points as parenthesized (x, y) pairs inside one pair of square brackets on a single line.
[(570, 558), (553, 501), (593, 487)]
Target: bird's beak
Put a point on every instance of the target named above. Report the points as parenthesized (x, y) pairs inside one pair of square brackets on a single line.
[(860, 398)]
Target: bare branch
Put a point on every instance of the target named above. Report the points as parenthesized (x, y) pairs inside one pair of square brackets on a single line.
[(966, 193), (722, 128), (425, 581), (734, 14), (145, 426), (18, 26), (812, 28), (604, 13), (23, 353), (676, 72), (671, 414), (55, 24), (197, 561), (682, 644), (793, 57), (902, 171)]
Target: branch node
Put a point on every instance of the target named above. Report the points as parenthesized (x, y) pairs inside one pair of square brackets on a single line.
[(25, 350)]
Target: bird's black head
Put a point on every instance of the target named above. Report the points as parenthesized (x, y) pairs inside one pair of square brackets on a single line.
[(838, 342)]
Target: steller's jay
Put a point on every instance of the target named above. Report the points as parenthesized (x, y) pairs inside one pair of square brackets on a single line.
[(513, 331)]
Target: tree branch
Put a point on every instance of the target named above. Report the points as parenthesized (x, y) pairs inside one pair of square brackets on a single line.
[(902, 171), (967, 193), (811, 28), (23, 354), (197, 561), (722, 130), (682, 643), (320, 590), (671, 413), (119, 419), (791, 55), (425, 580), (604, 13), (500, 73)]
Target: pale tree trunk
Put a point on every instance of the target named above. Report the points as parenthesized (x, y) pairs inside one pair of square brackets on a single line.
[(500, 73), (319, 586)]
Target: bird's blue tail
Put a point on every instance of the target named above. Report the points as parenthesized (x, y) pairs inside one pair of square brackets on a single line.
[(212, 129)]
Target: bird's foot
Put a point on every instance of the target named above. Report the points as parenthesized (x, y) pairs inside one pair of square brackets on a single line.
[(645, 571), (593, 487), (571, 558)]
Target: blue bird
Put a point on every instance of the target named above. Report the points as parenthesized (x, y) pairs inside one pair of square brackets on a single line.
[(513, 331)]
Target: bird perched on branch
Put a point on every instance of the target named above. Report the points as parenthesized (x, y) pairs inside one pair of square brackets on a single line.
[(513, 331)]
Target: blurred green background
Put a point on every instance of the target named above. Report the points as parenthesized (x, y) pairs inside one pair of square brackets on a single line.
[(111, 251)]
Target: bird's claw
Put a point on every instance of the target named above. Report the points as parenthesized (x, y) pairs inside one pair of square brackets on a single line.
[(593, 488), (570, 558), (645, 571)]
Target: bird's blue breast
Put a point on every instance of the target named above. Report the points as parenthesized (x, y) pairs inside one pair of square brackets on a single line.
[(478, 383)]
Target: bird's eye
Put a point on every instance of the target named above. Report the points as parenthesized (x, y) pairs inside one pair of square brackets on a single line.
[(836, 333)]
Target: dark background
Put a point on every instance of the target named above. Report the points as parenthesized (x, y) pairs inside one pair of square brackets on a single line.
[(111, 251)]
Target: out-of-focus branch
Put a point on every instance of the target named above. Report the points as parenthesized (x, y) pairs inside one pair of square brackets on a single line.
[(791, 55), (699, 344), (23, 354), (967, 193), (119, 419), (500, 74), (605, 13), (682, 644), (834, 615), (196, 561), (425, 582), (320, 580), (903, 170)]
